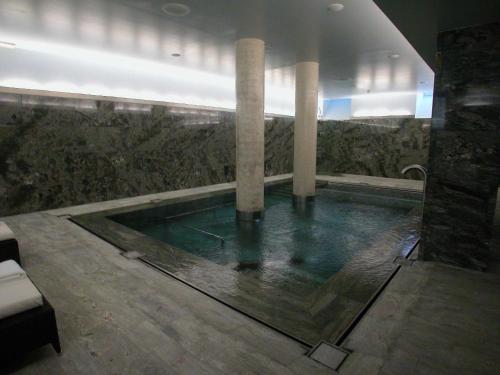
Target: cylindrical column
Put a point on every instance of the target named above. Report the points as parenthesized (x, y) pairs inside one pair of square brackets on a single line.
[(250, 129), (305, 131)]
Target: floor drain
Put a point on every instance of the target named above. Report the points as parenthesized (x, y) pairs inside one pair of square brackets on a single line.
[(132, 254), (329, 355)]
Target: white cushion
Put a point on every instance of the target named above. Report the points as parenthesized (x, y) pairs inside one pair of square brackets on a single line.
[(18, 295), (5, 232), (11, 270)]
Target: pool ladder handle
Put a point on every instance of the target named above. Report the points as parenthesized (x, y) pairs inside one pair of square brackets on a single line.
[(419, 168)]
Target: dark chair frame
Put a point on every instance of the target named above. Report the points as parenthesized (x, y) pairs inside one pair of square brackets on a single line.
[(28, 330), (9, 249)]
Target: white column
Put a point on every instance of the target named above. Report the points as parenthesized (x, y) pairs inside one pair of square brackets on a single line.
[(250, 129), (305, 131)]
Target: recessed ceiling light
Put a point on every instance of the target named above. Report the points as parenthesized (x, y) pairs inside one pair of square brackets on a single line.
[(394, 55), (176, 9), (176, 55), (4, 44), (335, 7)]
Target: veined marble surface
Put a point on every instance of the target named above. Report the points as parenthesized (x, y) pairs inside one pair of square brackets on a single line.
[(373, 147), (464, 162), (60, 152)]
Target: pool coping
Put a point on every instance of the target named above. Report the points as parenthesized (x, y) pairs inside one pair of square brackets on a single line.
[(209, 190)]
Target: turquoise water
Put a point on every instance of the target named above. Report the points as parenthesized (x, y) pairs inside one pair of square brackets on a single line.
[(315, 242)]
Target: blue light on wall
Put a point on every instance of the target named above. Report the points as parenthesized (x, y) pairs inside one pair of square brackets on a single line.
[(423, 107), (337, 109)]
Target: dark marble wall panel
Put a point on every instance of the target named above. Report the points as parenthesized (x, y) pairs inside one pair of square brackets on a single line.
[(380, 147), (464, 163), (60, 152), (57, 152)]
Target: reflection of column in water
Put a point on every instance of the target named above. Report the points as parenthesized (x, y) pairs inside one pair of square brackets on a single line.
[(303, 209), (249, 245)]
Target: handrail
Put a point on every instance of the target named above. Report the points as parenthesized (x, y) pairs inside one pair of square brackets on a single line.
[(419, 168)]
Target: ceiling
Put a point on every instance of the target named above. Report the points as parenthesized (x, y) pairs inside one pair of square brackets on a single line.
[(437, 16), (354, 46)]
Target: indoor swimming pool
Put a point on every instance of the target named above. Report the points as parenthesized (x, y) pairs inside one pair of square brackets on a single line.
[(313, 242), (304, 270)]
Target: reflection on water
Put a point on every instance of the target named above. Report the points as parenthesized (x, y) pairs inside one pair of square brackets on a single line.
[(306, 270), (312, 241)]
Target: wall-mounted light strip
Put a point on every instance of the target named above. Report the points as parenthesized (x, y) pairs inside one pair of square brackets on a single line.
[(382, 112), (381, 95), (279, 99), (113, 60)]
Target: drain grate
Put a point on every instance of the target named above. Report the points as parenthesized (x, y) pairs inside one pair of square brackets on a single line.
[(329, 355)]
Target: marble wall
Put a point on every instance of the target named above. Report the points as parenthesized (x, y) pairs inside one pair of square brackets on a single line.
[(374, 147), (464, 161), (57, 152)]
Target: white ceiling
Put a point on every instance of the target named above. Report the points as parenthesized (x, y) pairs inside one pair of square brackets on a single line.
[(353, 46), (438, 16)]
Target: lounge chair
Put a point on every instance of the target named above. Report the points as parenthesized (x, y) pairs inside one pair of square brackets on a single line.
[(27, 320)]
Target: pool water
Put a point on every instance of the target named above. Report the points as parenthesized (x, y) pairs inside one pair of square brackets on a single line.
[(290, 242)]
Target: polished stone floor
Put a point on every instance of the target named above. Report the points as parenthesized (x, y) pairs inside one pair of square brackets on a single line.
[(117, 316), (432, 319)]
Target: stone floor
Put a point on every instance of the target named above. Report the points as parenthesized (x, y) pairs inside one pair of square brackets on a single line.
[(117, 316), (431, 319)]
